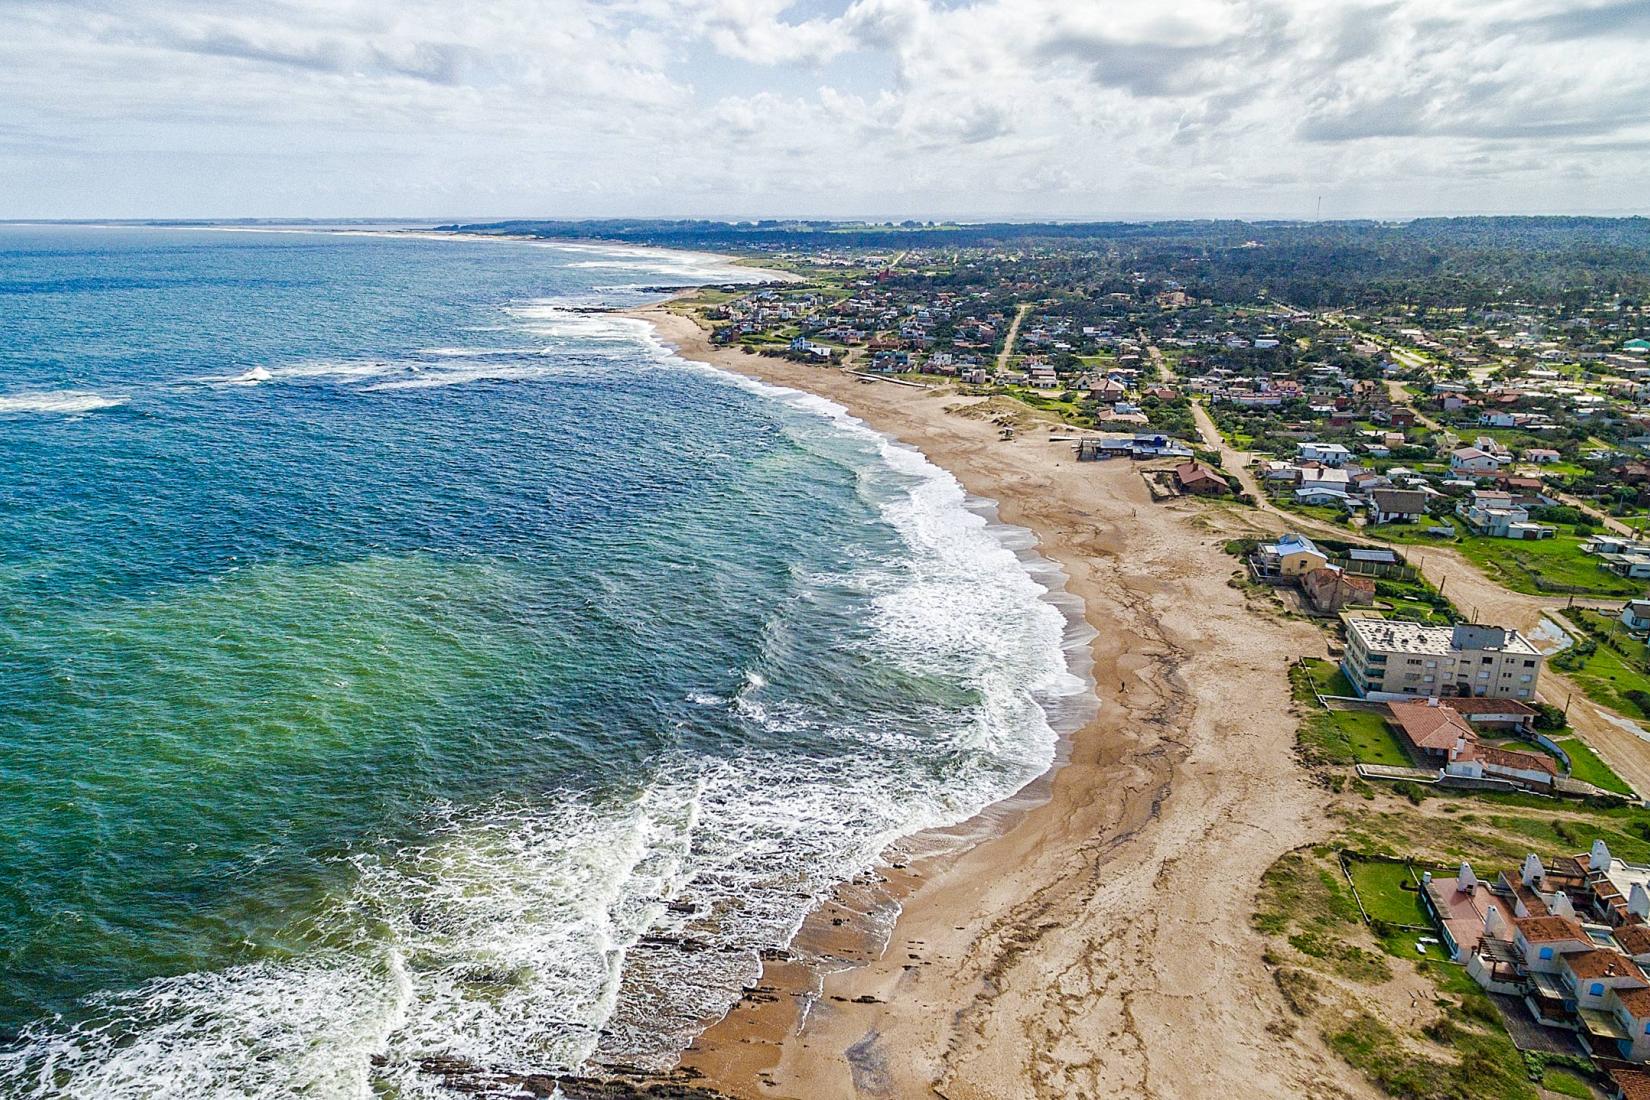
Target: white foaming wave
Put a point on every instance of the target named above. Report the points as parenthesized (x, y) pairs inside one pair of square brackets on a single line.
[(496, 944), (482, 353), (970, 600), (552, 318), (702, 267), (458, 376), (248, 1032), (61, 402)]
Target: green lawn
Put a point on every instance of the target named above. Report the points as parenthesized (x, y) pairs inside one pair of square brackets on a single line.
[(1541, 566), (1416, 611), (1587, 767), (1327, 677), (1369, 739), (1566, 1083), (1389, 892), (1412, 532), (1605, 675)]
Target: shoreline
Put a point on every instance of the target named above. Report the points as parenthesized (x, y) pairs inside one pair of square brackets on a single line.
[(1054, 951)]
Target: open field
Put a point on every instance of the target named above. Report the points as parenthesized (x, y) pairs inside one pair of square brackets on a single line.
[(1587, 767)]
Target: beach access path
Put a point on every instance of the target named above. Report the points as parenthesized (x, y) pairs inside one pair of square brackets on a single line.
[(1007, 353), (1100, 942)]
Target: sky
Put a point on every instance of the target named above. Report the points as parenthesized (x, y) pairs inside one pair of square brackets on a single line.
[(967, 109)]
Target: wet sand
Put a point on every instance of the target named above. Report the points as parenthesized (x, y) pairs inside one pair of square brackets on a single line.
[(1100, 944)]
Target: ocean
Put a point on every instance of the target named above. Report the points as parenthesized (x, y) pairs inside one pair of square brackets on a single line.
[(400, 663)]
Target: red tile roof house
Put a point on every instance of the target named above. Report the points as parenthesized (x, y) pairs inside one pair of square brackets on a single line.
[(1438, 734), (1331, 588), (1493, 713), (1196, 478)]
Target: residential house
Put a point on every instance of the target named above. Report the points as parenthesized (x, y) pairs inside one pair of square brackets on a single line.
[(1636, 615), (1199, 480), (1396, 505), (1440, 735), (1291, 555), (1328, 454), (1471, 460), (1331, 588), (1493, 513)]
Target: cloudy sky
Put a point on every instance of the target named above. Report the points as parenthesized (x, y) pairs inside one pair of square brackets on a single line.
[(903, 108)]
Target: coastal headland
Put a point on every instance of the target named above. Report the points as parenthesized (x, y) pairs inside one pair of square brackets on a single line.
[(1100, 943)]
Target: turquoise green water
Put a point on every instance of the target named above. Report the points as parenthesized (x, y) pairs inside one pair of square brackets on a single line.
[(396, 665)]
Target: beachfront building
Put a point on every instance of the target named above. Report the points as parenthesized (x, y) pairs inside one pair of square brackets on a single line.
[(1568, 937), (1438, 735), (1290, 556), (1390, 659), (1197, 479)]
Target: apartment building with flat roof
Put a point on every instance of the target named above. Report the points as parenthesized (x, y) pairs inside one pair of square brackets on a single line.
[(1387, 659)]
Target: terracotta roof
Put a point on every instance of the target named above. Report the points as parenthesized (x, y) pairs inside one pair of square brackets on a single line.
[(1512, 758), (1550, 929), (1635, 1001), (1634, 939), (1431, 727), (1531, 899), (1602, 964), (1195, 473), (1634, 1083)]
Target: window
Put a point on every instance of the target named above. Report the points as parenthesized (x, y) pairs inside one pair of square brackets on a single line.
[(1546, 952), (1529, 664)]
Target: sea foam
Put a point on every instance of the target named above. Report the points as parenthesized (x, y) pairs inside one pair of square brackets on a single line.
[(61, 402)]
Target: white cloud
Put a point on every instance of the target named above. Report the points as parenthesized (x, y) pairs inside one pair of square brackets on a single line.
[(1010, 107)]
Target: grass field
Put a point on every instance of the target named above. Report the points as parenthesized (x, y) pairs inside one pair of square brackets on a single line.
[(1389, 892), (1326, 677), (1542, 566), (1535, 566), (1587, 767), (1605, 675), (1352, 737)]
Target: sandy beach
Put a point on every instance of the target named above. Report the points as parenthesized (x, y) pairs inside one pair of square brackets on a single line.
[(1101, 944)]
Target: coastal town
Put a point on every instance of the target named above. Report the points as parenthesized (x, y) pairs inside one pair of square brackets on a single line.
[(1455, 496)]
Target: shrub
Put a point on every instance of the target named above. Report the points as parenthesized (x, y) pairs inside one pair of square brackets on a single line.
[(1549, 717)]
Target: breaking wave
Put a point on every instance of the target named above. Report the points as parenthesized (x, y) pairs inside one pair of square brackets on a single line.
[(62, 402)]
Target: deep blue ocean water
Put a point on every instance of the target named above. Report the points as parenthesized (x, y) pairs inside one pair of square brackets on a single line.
[(397, 663)]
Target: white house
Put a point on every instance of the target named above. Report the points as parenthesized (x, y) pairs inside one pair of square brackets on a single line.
[(1471, 460), (1324, 478), (1330, 454), (1636, 615)]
